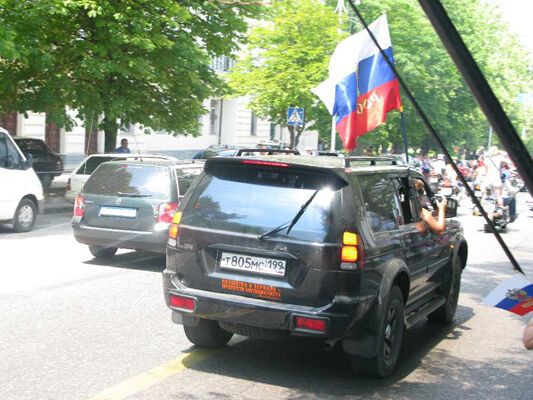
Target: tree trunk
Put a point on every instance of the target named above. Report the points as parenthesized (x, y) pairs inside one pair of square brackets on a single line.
[(91, 134), (292, 145), (299, 132), (110, 127), (52, 134)]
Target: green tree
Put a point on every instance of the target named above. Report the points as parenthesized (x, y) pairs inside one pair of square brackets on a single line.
[(287, 54), (118, 62), (270, 68), (434, 80)]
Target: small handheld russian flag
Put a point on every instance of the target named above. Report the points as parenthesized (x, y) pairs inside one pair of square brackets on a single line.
[(514, 294)]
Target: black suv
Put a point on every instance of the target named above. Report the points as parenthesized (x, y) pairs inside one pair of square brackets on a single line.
[(46, 163), (130, 204), (312, 246)]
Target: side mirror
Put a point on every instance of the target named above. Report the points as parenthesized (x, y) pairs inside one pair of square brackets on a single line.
[(29, 161), (451, 208)]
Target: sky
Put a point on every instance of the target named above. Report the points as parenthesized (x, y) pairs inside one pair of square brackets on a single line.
[(518, 14)]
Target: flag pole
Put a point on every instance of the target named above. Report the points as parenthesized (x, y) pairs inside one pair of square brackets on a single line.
[(333, 134), (404, 136)]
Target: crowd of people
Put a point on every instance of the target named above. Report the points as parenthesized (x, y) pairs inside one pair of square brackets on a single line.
[(492, 171)]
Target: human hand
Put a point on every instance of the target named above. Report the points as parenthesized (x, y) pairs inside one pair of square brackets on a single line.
[(441, 205)]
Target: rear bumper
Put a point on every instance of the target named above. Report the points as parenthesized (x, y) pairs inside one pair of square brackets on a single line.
[(346, 316), (137, 240)]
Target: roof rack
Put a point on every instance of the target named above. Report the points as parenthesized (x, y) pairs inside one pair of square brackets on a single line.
[(371, 160), (267, 151)]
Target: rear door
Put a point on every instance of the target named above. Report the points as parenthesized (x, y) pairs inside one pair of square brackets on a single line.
[(236, 223), (126, 196)]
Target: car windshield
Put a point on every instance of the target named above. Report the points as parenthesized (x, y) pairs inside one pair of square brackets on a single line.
[(257, 200), (126, 179)]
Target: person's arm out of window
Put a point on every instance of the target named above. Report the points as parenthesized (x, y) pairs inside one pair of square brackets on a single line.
[(437, 226)]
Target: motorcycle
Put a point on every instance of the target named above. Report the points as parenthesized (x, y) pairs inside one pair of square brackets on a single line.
[(499, 215), (476, 188)]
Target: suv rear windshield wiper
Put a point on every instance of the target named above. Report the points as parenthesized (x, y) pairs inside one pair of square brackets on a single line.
[(289, 225), (120, 194)]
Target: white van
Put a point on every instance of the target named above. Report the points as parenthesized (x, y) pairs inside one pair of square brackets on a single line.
[(21, 193)]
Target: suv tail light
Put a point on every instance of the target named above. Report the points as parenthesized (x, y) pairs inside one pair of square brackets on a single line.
[(173, 231), (79, 206), (165, 212), (182, 303), (351, 251), (68, 185)]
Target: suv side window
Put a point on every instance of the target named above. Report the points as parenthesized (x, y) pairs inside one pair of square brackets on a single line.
[(407, 198), (381, 203)]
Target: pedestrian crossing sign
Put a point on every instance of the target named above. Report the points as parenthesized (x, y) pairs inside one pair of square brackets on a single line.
[(295, 116)]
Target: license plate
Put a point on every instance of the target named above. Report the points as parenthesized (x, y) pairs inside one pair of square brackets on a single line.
[(478, 193), (121, 212), (446, 191), (433, 180), (257, 265)]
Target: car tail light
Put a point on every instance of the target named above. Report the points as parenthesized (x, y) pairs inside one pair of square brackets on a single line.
[(173, 231), (166, 211), (79, 206), (318, 325), (265, 163), (68, 185), (182, 302), (351, 251)]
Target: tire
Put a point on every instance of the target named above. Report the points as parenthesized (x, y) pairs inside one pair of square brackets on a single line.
[(389, 341), (25, 216), (46, 181), (102, 252), (446, 312), (207, 334)]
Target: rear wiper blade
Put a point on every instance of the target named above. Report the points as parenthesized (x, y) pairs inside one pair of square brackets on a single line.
[(120, 194), (289, 225)]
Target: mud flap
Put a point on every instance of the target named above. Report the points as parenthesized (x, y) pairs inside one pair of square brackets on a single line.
[(187, 320)]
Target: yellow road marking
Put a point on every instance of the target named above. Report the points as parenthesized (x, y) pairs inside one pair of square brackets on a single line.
[(135, 384)]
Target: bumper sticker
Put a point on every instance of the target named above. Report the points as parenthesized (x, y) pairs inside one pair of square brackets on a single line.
[(256, 289)]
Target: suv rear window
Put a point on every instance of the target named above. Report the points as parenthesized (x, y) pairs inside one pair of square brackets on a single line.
[(114, 179), (255, 200)]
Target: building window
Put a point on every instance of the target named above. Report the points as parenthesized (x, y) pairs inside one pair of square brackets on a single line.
[(253, 124), (222, 64), (214, 117)]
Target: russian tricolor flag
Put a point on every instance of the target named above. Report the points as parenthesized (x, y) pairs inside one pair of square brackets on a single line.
[(361, 88), (514, 295)]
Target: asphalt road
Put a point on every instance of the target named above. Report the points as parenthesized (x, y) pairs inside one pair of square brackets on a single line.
[(75, 328)]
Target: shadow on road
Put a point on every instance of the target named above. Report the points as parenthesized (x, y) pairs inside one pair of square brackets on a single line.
[(308, 372), (136, 260)]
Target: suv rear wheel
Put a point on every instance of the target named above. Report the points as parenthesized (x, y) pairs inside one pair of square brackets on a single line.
[(207, 334), (389, 342), (102, 252), (446, 312)]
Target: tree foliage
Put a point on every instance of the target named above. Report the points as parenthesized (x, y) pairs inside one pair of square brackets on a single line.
[(117, 61), (287, 54), (281, 65)]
